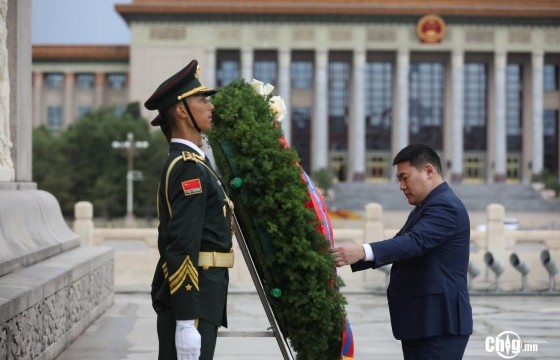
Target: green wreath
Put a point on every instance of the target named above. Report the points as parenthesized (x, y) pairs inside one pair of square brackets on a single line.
[(269, 198)]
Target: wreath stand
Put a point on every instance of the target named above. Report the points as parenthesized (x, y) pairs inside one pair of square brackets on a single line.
[(276, 332)]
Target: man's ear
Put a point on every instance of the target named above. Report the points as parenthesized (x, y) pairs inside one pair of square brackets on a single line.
[(430, 170), (180, 111)]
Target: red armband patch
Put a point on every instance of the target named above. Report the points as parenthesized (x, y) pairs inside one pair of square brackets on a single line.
[(191, 187)]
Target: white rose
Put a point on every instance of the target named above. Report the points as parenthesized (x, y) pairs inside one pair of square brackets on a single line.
[(276, 102), (260, 88), (279, 107)]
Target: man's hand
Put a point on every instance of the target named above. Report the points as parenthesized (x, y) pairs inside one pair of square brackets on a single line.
[(187, 340), (348, 254)]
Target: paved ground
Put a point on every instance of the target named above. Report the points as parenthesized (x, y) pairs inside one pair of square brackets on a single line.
[(127, 330)]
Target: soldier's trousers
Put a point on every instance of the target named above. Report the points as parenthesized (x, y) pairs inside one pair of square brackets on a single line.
[(166, 334)]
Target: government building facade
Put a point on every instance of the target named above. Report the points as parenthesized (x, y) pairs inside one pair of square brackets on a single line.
[(477, 80)]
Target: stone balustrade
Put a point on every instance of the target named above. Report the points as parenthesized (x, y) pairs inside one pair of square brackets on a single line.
[(134, 264), (51, 288)]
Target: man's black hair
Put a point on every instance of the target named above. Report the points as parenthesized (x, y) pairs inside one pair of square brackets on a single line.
[(168, 122), (419, 155)]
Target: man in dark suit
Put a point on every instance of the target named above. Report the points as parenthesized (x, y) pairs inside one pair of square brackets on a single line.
[(190, 284), (427, 294)]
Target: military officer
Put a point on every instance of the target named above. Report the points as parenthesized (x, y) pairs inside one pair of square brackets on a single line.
[(189, 289)]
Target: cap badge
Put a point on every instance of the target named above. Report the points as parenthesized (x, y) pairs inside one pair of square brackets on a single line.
[(197, 73)]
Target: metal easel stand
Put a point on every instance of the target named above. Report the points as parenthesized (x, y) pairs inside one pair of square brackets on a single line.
[(276, 332)]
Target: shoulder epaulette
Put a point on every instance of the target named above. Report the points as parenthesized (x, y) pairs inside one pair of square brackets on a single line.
[(190, 156)]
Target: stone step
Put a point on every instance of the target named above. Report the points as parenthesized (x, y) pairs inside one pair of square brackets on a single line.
[(516, 197)]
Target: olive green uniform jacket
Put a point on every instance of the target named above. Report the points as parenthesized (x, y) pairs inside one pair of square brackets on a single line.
[(193, 216)]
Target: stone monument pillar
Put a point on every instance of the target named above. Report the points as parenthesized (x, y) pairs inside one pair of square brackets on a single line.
[(6, 164), (51, 288)]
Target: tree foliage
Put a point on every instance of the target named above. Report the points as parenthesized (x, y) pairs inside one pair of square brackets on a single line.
[(280, 230), (80, 164)]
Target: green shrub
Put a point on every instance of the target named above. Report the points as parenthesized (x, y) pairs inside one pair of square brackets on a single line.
[(323, 179), (549, 180)]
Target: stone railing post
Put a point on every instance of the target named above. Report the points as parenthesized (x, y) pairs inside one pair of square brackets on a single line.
[(495, 233), (373, 229), (83, 224)]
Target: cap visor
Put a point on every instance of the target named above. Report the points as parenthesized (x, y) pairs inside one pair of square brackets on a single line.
[(205, 92), (157, 120)]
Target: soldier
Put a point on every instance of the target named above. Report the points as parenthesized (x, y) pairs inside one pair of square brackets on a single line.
[(190, 284)]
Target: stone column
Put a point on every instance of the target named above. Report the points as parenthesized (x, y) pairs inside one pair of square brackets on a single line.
[(37, 98), (210, 68), (457, 121), (319, 123), (247, 64), (19, 68), (537, 153), (356, 127), (284, 60), (356, 133), (99, 89), (500, 150), (400, 104), (38, 307), (7, 172), (209, 80), (68, 116)]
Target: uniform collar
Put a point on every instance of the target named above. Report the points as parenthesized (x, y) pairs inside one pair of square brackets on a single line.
[(189, 144)]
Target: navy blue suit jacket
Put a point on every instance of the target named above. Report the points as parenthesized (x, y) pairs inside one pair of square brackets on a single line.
[(428, 293)]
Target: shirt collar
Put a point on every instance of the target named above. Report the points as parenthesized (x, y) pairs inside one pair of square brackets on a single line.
[(190, 144)]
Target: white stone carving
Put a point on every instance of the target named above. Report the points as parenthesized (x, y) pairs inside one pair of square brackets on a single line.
[(6, 164), (34, 332)]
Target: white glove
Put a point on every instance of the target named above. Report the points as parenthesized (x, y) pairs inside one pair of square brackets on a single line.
[(187, 340)]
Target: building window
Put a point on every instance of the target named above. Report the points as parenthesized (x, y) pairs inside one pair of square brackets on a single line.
[(265, 67), (301, 69), (551, 129), (54, 80), (228, 67), (54, 118), (83, 110), (265, 71), (116, 81), (379, 100), (301, 135), (514, 99), (229, 71), (119, 110), (339, 79), (426, 103), (475, 109), (301, 74), (550, 77), (339, 83), (85, 81)]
